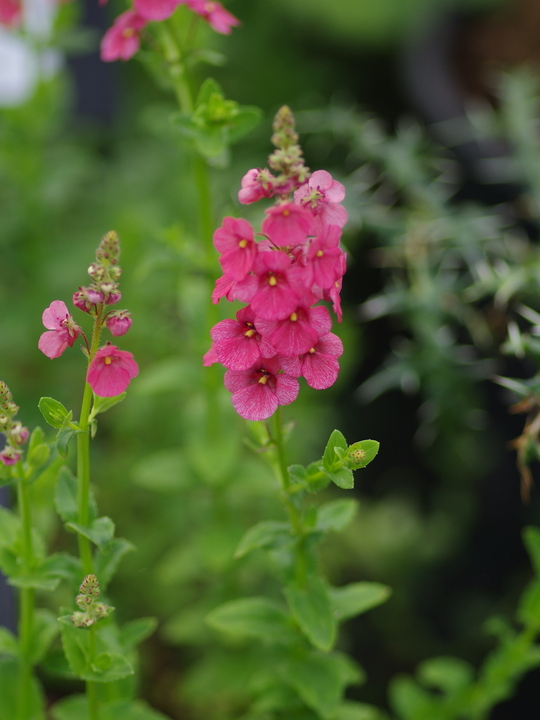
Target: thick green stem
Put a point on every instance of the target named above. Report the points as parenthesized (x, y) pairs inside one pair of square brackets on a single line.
[(26, 601)]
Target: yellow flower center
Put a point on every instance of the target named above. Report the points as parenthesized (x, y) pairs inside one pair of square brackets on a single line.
[(263, 380), (272, 281), (249, 333), (312, 350), (293, 317), (107, 360), (319, 253), (242, 244)]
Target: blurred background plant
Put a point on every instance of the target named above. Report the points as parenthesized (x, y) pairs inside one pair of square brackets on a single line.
[(442, 180)]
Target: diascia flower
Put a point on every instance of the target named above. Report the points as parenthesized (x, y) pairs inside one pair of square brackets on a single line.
[(62, 330), (111, 371)]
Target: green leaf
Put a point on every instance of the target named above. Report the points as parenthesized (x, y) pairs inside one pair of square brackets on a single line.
[(65, 497), (362, 453), (63, 439), (255, 617), (330, 457), (44, 631), (9, 527), (133, 633), (531, 538), (54, 412), (358, 711), (336, 515), (449, 674), (311, 607), (38, 450), (321, 679), (357, 598), (108, 559), (529, 605), (316, 478), (9, 692), (108, 663), (100, 532), (75, 707), (45, 576), (246, 119), (267, 534), (102, 404), (410, 701), (208, 88), (8, 642), (343, 478)]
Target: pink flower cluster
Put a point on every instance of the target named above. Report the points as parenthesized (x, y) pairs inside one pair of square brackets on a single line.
[(122, 40), (282, 334), (14, 432), (110, 370)]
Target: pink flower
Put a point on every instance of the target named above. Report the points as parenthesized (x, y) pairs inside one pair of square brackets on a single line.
[(86, 298), (237, 343), (257, 392), (287, 224), (111, 371), (256, 184), (122, 40), (278, 292), (322, 194), (297, 333), (155, 9), (324, 257), (319, 365), (10, 12), (62, 330), (119, 322), (219, 19), (235, 241)]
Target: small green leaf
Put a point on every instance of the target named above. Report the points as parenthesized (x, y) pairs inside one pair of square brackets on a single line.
[(357, 598), (449, 674), (529, 605), (316, 478), (329, 458), (65, 497), (63, 439), (108, 559), (54, 412), (255, 617), (320, 679), (343, 478), (8, 643), (107, 665), (44, 631), (409, 700), (531, 539), (100, 532), (134, 632), (311, 607), (75, 707), (362, 453), (102, 404), (350, 710), (9, 527), (336, 515), (267, 534)]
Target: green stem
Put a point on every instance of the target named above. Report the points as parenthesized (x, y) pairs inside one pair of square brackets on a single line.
[(26, 601), (83, 497), (83, 456), (282, 473)]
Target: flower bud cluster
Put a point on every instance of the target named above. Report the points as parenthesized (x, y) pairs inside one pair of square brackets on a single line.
[(282, 333), (111, 369), (91, 609), (105, 273), (14, 432)]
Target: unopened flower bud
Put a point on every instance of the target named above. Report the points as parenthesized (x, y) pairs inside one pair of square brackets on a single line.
[(18, 434), (119, 322), (10, 456)]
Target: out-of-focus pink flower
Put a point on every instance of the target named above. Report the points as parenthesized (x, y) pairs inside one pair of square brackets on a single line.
[(122, 40), (210, 356), (322, 194), (10, 456), (256, 184), (10, 12), (287, 224), (119, 322), (155, 9), (111, 371), (257, 392), (219, 19), (62, 331)]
